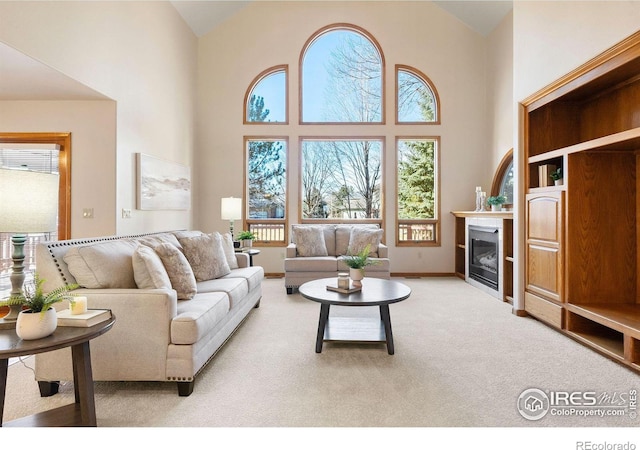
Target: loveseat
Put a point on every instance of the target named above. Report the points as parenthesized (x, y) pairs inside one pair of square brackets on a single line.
[(317, 251), (177, 297)]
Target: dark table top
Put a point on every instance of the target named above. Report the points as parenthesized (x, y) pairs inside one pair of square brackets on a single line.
[(11, 346), (375, 291)]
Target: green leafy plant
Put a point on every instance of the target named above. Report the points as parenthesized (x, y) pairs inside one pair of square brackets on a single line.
[(35, 299), (557, 175), (497, 200), (360, 260), (244, 235)]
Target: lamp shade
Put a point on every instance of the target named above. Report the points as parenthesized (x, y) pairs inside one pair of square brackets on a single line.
[(29, 201), (231, 208)]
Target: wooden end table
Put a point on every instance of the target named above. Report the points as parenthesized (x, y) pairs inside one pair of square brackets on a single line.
[(375, 292), (83, 411)]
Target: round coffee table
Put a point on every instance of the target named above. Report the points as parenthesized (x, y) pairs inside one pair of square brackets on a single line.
[(83, 411), (375, 292)]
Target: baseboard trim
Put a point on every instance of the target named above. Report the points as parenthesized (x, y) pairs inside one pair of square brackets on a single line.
[(422, 274)]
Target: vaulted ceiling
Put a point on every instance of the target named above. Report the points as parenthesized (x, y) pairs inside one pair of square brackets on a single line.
[(23, 78)]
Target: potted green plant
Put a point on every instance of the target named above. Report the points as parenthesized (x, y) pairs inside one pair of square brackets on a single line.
[(557, 176), (39, 319), (246, 238), (357, 262), (496, 202)]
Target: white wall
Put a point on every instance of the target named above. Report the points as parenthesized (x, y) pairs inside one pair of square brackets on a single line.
[(500, 90), (93, 142), (419, 34), (143, 56)]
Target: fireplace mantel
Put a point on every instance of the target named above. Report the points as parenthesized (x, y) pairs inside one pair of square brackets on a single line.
[(503, 219), (488, 214)]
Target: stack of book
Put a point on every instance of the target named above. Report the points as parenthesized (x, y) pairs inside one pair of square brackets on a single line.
[(88, 319), (544, 175)]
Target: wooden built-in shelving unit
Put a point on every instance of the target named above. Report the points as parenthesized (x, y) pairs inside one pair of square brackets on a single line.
[(582, 237)]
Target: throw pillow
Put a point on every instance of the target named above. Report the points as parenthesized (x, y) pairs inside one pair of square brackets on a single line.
[(178, 270), (361, 237), (229, 251), (103, 265), (148, 270), (310, 241), (206, 256)]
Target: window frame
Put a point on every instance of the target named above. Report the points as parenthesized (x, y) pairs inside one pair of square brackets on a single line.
[(379, 221), (437, 220), (264, 74), (247, 222), (426, 80), (501, 172), (310, 41)]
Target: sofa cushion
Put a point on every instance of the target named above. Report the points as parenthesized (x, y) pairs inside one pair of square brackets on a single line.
[(206, 256), (229, 251), (236, 288), (311, 264), (343, 236), (178, 269), (310, 240), (361, 237), (254, 275), (197, 317), (148, 270), (103, 266)]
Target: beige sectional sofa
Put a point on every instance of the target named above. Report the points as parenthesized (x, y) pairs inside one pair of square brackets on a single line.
[(177, 297), (317, 251)]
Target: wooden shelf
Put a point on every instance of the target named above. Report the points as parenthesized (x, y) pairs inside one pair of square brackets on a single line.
[(624, 318), (542, 190), (509, 258), (622, 141)]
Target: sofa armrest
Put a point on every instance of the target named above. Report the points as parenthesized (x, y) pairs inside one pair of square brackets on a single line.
[(243, 260), (292, 250), (383, 251), (143, 317)]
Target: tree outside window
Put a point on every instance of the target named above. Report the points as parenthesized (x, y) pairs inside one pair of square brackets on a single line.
[(340, 179), (417, 190)]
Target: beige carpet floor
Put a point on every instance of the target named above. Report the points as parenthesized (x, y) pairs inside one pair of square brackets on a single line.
[(462, 359)]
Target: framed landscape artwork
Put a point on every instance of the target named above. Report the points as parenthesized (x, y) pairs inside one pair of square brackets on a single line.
[(162, 184)]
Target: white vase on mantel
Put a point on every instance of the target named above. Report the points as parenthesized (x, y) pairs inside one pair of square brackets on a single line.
[(356, 276)]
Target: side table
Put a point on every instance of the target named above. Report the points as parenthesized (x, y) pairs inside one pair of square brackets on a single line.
[(249, 251), (83, 411)]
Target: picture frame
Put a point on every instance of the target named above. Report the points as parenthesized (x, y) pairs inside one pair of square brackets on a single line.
[(162, 185)]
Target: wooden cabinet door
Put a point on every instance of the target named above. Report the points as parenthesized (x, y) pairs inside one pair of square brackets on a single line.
[(544, 250)]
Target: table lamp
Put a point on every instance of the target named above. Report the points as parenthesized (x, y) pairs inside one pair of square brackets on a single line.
[(29, 202), (231, 210)]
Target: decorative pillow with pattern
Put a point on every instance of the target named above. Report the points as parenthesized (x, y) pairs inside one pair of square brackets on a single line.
[(148, 270), (206, 256), (178, 270), (229, 251), (361, 237), (310, 241)]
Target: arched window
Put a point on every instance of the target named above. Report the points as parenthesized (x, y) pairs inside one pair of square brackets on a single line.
[(266, 98), (342, 77), (342, 174), (504, 178), (417, 100)]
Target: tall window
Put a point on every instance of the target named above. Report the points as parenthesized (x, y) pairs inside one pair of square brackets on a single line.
[(266, 100), (342, 78), (266, 188), (340, 179), (417, 186)]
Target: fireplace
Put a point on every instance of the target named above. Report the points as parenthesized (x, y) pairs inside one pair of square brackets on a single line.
[(484, 255)]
